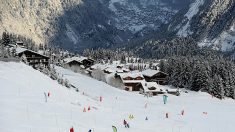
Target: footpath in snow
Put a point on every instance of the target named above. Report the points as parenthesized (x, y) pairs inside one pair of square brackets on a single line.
[(24, 109)]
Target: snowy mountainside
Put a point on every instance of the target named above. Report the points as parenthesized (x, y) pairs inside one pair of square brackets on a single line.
[(23, 106), (138, 14), (211, 22), (193, 10), (79, 24)]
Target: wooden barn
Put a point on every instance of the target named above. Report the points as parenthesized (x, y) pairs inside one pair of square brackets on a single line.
[(32, 58), (155, 76)]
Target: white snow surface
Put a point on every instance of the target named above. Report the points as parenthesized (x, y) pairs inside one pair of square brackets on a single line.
[(23, 107)]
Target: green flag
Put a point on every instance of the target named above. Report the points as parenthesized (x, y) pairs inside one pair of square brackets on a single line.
[(114, 129)]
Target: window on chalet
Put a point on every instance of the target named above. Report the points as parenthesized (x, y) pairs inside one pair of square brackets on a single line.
[(127, 78), (139, 78)]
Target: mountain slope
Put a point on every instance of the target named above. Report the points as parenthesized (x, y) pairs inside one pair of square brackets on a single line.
[(32, 19), (23, 106), (211, 22), (80, 24)]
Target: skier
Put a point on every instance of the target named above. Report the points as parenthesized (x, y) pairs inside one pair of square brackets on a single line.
[(125, 123), (89, 108), (146, 105), (165, 98), (101, 98), (45, 96), (84, 110), (71, 129), (167, 115), (182, 112), (131, 117), (89, 130), (146, 118)]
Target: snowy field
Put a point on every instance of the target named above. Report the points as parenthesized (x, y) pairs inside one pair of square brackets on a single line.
[(23, 107)]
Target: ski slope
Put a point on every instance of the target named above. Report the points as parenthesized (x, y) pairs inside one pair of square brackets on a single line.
[(23, 107)]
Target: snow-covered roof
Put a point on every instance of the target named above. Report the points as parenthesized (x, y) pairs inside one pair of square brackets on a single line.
[(147, 85), (110, 69), (40, 51), (132, 75), (20, 50), (79, 59), (133, 81), (150, 72)]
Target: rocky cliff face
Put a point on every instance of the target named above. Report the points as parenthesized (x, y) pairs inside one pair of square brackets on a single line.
[(32, 18), (80, 24), (211, 22)]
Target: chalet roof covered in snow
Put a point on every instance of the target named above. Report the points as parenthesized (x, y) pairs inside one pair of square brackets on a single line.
[(132, 75), (78, 59), (20, 50), (150, 72), (148, 85), (99, 66)]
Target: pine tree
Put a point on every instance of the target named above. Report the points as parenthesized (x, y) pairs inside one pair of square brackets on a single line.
[(199, 79), (5, 38), (218, 90), (162, 66)]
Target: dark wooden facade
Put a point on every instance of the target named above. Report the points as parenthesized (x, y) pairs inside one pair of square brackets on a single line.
[(34, 59), (160, 78), (133, 84), (74, 63), (87, 63)]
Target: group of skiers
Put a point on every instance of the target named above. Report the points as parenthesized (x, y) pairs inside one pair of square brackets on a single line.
[(88, 109), (72, 130)]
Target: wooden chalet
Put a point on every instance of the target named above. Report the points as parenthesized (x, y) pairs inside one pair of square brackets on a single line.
[(88, 62), (117, 69), (32, 58), (132, 81), (155, 76), (78, 63), (151, 89), (19, 44)]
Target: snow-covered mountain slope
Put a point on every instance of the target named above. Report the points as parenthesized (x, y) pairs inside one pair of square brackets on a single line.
[(211, 22), (23, 106), (135, 15), (193, 10), (80, 24)]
